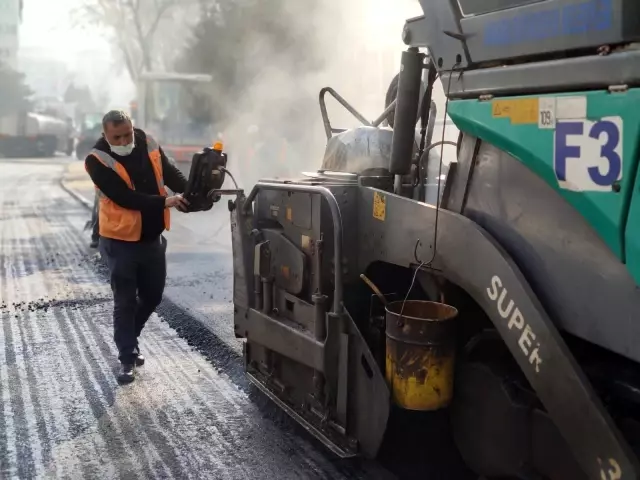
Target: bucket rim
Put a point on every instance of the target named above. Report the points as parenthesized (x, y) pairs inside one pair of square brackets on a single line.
[(452, 312)]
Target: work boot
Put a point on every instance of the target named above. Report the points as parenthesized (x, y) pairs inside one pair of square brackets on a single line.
[(139, 360), (127, 373)]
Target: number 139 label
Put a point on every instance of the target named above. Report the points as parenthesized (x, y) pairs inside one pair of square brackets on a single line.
[(547, 113), (588, 155)]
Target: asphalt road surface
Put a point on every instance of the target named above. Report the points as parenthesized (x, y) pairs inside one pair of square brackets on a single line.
[(190, 414)]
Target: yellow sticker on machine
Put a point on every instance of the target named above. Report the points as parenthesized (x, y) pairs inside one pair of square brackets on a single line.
[(379, 206), (520, 111), (306, 243), (284, 269)]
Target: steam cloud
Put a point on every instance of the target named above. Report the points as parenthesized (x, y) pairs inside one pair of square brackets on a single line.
[(352, 46)]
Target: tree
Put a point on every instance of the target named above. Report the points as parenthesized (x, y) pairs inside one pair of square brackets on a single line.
[(142, 30), (242, 42), (15, 93), (81, 96), (267, 59)]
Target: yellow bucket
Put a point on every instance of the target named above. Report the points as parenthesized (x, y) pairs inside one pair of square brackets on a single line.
[(420, 354)]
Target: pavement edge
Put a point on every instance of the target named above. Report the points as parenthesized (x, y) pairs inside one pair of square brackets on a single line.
[(75, 194), (72, 191)]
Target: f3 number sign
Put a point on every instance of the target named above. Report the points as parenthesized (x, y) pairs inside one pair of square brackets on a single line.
[(588, 154)]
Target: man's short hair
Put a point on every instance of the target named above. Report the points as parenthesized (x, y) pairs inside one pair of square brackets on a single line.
[(117, 117)]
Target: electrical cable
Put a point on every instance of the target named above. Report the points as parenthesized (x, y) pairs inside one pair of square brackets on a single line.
[(442, 143), (223, 169), (404, 302)]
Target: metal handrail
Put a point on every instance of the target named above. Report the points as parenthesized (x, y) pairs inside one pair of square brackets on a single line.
[(329, 130), (337, 227), (325, 115), (383, 116)]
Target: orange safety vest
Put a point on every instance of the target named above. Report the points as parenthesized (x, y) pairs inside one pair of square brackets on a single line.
[(121, 223)]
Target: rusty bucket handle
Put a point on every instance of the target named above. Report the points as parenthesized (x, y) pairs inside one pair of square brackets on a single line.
[(375, 289)]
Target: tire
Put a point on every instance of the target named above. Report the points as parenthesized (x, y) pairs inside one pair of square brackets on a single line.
[(392, 93)]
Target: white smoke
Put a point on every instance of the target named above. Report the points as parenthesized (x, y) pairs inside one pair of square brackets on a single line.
[(361, 45)]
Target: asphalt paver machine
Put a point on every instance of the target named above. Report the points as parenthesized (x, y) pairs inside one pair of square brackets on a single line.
[(511, 299)]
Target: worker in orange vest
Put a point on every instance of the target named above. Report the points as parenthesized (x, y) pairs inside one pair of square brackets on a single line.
[(130, 171)]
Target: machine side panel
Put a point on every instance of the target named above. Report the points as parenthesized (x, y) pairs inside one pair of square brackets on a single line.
[(493, 30), (552, 26), (545, 30), (572, 154), (567, 74), (415, 31), (443, 16), (468, 256), (478, 7), (242, 254), (583, 286), (370, 399), (632, 234)]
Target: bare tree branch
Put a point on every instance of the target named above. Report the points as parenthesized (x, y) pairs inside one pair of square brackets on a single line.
[(161, 11), (134, 25), (17, 93)]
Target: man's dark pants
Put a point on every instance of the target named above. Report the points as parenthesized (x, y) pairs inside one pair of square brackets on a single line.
[(138, 273)]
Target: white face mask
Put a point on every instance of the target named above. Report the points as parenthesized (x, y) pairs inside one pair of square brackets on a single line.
[(123, 150)]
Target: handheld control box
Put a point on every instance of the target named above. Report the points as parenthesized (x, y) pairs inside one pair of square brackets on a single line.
[(206, 174)]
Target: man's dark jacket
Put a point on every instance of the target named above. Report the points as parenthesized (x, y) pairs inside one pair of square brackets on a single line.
[(146, 197)]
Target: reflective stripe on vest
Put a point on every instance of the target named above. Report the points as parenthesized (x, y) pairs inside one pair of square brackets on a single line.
[(121, 223), (154, 155)]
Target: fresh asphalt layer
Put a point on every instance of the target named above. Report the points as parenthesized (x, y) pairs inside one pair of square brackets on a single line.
[(190, 413)]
